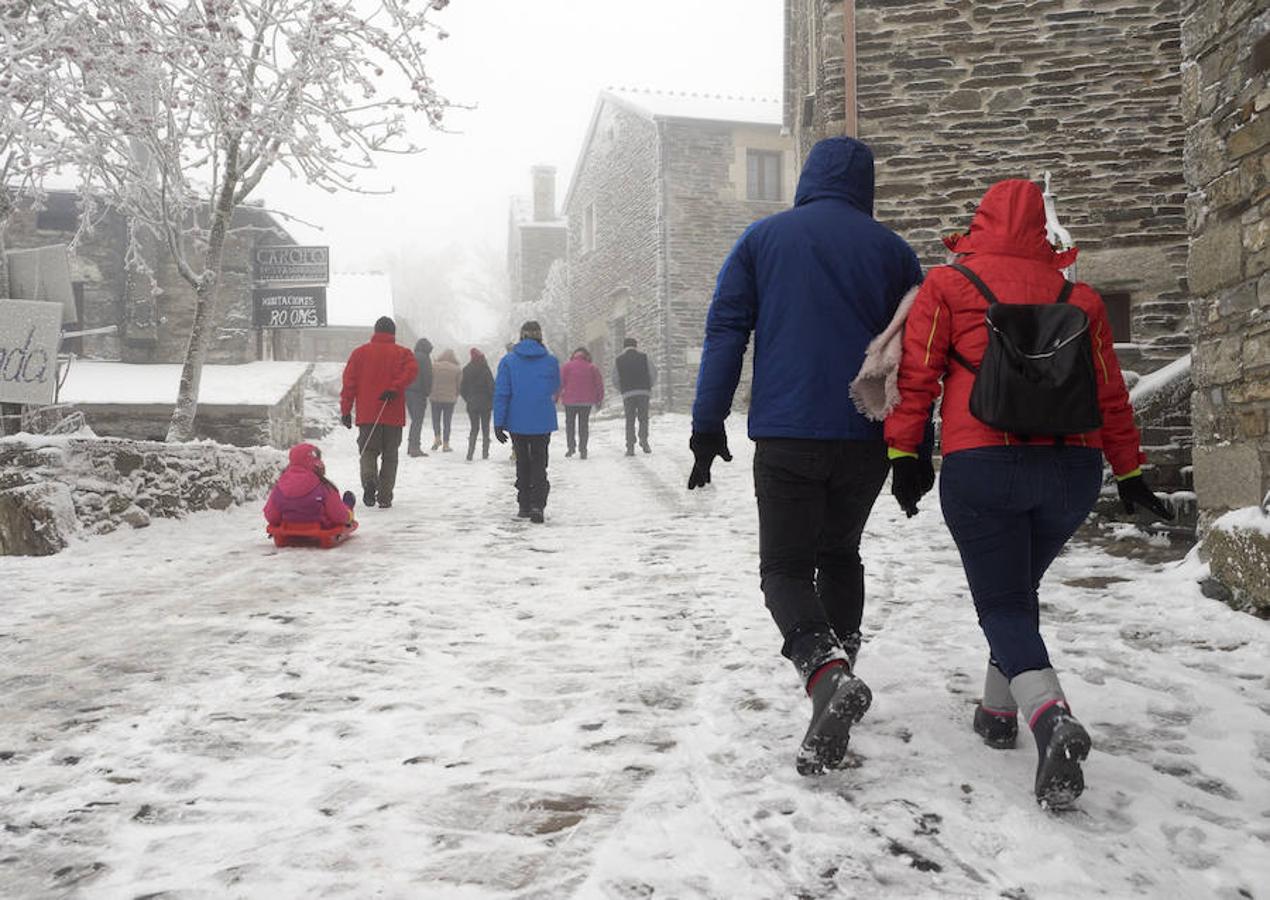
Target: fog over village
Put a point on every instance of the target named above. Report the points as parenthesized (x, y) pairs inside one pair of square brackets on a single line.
[(717, 449)]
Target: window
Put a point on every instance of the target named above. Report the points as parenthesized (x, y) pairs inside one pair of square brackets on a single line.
[(763, 175), (588, 228), (1119, 315)]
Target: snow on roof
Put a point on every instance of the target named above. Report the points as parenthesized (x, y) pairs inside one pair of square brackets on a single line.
[(357, 299), (690, 105), (97, 383)]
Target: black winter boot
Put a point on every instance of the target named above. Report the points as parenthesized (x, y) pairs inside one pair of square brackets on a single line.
[(1062, 744), (368, 495), (838, 701), (998, 730)]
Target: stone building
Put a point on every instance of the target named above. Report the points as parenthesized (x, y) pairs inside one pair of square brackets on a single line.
[(1226, 48), (151, 327), (664, 185), (537, 239), (955, 95)]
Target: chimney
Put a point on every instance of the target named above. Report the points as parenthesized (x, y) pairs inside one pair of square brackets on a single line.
[(544, 193)]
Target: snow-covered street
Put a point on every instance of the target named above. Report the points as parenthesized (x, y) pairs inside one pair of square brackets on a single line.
[(460, 704)]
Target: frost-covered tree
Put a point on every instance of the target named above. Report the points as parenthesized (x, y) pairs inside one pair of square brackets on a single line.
[(31, 35), (179, 108)]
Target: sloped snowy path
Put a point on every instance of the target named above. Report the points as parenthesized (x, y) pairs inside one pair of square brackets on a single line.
[(460, 704)]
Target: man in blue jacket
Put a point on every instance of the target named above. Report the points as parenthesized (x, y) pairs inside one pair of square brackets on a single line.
[(814, 284), (524, 404)]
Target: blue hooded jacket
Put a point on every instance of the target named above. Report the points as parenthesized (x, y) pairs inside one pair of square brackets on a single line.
[(525, 390), (815, 284)]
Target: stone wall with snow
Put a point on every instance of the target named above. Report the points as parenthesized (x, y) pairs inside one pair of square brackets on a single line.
[(955, 96), (1225, 95), (53, 489)]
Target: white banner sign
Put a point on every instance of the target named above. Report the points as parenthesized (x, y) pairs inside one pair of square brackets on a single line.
[(29, 337)]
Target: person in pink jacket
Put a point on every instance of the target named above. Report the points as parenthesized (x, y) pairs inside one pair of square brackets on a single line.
[(303, 493), (581, 387)]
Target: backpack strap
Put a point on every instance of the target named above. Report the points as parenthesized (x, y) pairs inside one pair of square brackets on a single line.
[(965, 363), (977, 282), (1065, 294), (987, 295)]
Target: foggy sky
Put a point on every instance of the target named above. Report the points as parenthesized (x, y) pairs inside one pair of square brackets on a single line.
[(533, 69)]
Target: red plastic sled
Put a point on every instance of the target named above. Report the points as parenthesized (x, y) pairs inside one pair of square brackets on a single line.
[(297, 534)]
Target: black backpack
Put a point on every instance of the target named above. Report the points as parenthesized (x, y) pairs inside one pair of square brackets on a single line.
[(1037, 377)]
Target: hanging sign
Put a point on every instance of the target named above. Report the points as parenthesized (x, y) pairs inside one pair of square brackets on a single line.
[(30, 333), (291, 265), (297, 307)]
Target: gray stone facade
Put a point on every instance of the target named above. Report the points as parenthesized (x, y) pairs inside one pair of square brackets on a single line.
[(1226, 44), (152, 328), (657, 200), (953, 96)]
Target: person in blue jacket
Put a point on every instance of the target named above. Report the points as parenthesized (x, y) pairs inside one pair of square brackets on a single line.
[(525, 405), (814, 284)]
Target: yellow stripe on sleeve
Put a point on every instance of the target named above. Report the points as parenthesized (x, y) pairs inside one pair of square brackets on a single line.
[(934, 323)]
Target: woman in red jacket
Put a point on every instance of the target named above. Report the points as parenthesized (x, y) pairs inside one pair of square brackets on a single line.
[(1010, 501)]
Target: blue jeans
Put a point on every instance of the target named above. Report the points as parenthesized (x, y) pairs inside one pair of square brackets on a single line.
[(1010, 511)]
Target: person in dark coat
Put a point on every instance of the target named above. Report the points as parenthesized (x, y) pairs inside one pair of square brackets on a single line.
[(375, 380), (477, 390), (524, 405), (814, 285), (635, 377), (417, 396)]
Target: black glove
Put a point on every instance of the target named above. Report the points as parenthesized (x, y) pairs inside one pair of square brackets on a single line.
[(501, 435), (1134, 491), (911, 478), (705, 447), (347, 420), (388, 395)]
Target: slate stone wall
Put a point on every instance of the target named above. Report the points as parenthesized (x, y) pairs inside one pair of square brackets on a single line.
[(1224, 99), (620, 278)]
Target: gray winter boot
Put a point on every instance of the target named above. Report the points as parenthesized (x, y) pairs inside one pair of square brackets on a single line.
[(997, 715), (1062, 743)]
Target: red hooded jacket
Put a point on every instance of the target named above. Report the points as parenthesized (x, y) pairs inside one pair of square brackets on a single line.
[(1008, 248), (373, 368)]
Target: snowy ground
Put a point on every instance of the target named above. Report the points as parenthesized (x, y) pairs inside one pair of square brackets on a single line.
[(459, 704)]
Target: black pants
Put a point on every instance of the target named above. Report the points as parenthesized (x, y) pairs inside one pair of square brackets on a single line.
[(416, 405), (378, 445), (813, 500), (480, 427), (532, 485), (636, 410), (442, 416), (577, 419)]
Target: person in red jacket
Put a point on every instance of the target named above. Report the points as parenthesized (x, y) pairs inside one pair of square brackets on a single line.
[(1011, 502), (375, 379)]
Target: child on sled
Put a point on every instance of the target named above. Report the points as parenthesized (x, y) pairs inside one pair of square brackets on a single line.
[(303, 495)]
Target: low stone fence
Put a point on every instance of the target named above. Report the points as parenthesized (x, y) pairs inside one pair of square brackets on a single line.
[(53, 489), (1237, 550)]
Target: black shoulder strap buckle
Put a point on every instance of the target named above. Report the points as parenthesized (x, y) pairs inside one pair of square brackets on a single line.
[(977, 282)]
